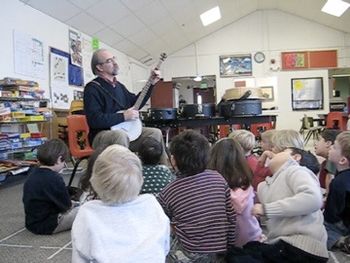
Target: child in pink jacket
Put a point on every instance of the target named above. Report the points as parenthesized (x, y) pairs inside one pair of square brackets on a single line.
[(227, 157)]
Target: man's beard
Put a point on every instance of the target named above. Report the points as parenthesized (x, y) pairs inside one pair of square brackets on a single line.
[(115, 71)]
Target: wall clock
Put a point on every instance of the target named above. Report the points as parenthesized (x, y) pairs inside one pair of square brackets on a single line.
[(259, 57)]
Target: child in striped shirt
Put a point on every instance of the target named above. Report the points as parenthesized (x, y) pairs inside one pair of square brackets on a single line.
[(197, 203)]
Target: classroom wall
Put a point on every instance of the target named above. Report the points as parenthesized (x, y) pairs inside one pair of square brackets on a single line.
[(17, 16), (271, 32)]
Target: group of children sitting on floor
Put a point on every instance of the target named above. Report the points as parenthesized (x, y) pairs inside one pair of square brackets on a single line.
[(210, 210)]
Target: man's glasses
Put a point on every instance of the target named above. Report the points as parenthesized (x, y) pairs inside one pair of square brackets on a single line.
[(109, 60)]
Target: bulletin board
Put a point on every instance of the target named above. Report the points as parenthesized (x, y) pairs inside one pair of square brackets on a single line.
[(295, 60), (307, 93)]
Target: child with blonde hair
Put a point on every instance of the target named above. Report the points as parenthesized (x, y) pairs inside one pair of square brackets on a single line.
[(227, 157), (108, 137), (102, 140), (247, 140), (291, 201), (281, 140), (266, 140), (122, 226)]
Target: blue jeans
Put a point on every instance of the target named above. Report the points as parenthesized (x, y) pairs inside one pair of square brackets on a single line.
[(335, 231)]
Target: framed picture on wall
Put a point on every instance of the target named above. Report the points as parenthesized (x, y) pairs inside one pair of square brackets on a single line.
[(267, 93), (307, 93), (235, 65)]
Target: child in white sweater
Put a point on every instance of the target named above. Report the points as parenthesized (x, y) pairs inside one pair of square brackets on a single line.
[(122, 226), (291, 200)]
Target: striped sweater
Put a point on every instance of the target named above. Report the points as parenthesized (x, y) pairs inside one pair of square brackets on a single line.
[(200, 209)]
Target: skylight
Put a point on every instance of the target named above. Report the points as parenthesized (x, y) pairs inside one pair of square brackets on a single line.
[(335, 7), (210, 16)]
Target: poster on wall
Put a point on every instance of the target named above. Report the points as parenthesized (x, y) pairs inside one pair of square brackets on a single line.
[(61, 93), (75, 48), (295, 60), (235, 65), (87, 51), (307, 93), (28, 55), (78, 94)]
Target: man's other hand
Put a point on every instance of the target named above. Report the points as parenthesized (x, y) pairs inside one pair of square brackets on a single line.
[(155, 76), (131, 114)]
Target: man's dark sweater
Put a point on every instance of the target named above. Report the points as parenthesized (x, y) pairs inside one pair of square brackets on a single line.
[(103, 100), (336, 206), (44, 196)]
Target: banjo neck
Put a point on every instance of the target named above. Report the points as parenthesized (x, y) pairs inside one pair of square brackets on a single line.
[(148, 83)]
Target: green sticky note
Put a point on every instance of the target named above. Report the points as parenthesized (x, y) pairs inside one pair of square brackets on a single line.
[(95, 43)]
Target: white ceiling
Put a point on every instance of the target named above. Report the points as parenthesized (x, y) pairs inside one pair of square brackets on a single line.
[(143, 29)]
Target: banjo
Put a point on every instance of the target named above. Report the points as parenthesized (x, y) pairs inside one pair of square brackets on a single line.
[(133, 127)]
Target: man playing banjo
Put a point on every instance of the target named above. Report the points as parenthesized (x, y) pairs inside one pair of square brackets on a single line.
[(108, 104)]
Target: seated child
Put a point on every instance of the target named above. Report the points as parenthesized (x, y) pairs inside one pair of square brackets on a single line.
[(322, 147), (122, 226), (197, 203), (305, 158), (108, 137), (281, 140), (227, 157), (247, 140), (89, 193), (155, 176), (266, 140), (102, 140), (336, 213), (291, 200), (47, 204)]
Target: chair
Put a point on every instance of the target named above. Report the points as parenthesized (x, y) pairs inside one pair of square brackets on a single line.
[(308, 125), (224, 130), (336, 120), (78, 142), (258, 128)]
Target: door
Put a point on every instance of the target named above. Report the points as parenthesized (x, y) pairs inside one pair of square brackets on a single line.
[(207, 95)]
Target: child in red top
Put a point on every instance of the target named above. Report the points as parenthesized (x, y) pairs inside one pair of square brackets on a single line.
[(247, 140)]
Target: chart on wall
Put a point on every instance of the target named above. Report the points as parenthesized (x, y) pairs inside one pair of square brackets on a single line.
[(307, 93), (75, 48), (61, 93), (28, 55), (87, 54)]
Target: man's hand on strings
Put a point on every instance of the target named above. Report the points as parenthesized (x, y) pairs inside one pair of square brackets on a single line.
[(155, 76), (131, 114)]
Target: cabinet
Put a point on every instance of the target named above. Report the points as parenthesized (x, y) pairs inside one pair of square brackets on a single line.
[(23, 109)]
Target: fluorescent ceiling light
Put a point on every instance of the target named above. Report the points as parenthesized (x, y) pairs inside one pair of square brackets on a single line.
[(335, 7), (210, 16)]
